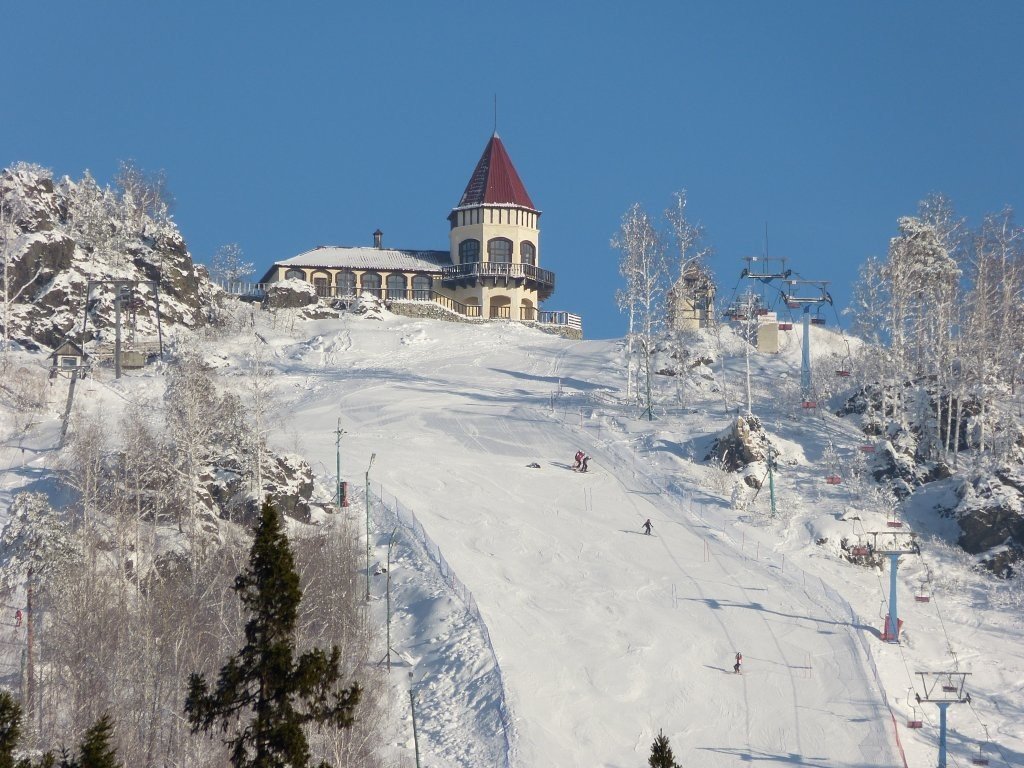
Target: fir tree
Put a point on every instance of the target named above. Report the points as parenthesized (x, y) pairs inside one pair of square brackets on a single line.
[(281, 693), (95, 750), (10, 728), (661, 753)]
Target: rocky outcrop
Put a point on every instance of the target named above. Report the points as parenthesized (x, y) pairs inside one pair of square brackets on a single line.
[(991, 517), (744, 442), (63, 257)]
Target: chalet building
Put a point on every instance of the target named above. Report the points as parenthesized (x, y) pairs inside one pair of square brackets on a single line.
[(491, 269)]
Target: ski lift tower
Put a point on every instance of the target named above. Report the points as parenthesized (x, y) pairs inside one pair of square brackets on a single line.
[(943, 689), (893, 544), (815, 294)]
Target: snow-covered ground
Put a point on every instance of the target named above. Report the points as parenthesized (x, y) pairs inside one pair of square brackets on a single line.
[(584, 637)]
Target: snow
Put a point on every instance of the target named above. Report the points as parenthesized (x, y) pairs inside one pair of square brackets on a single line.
[(536, 623)]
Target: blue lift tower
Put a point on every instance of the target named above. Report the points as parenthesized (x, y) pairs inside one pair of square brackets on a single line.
[(892, 544), (943, 689)]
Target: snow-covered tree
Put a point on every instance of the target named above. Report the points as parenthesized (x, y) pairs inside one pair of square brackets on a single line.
[(229, 265), (644, 270), (37, 546)]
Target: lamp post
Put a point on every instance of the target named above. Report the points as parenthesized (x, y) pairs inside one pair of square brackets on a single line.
[(367, 487)]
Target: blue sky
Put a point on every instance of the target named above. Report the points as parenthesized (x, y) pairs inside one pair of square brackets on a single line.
[(282, 128)]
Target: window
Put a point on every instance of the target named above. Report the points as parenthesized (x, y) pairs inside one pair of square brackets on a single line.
[(369, 282), (422, 286), (346, 284), (528, 253), (396, 285), (500, 250), (294, 274), (322, 286), (469, 252)]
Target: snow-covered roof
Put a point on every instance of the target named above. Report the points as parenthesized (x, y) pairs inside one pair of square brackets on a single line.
[(368, 257)]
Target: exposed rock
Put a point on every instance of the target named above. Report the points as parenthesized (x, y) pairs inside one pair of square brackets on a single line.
[(54, 260), (991, 517), (290, 294), (743, 443)]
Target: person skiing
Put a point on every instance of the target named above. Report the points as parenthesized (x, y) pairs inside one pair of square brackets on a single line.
[(739, 661), (17, 618), (647, 526), (584, 461), (579, 461)]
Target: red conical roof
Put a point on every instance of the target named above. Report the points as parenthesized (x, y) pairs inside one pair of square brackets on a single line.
[(495, 181)]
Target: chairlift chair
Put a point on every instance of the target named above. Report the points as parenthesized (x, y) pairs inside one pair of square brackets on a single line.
[(922, 595), (809, 404), (860, 550), (817, 320), (913, 722), (793, 304), (867, 448), (785, 326), (833, 479), (843, 373), (894, 523)]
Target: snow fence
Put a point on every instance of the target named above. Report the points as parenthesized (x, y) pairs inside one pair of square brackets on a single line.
[(386, 515)]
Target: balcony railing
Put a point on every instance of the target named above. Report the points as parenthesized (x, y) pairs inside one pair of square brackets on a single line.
[(499, 269)]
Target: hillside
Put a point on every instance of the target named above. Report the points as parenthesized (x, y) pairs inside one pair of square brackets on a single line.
[(602, 636)]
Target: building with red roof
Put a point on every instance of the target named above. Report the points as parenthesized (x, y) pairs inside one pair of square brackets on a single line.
[(491, 270)]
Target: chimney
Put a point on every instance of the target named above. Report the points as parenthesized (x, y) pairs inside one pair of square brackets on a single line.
[(377, 237)]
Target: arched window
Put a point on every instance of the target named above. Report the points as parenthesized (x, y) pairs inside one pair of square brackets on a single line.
[(396, 285), (369, 282), (422, 286), (346, 284), (500, 250), (528, 253), (469, 252), (294, 274)]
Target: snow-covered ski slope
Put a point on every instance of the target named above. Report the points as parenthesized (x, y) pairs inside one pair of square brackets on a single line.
[(604, 635)]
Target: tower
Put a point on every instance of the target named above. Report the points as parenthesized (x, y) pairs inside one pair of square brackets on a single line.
[(495, 242)]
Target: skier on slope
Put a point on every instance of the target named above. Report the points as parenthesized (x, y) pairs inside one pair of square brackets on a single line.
[(579, 461), (739, 661), (647, 526), (17, 618), (583, 465)]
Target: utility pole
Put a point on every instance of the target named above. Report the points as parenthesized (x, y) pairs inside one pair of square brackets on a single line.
[(771, 477), (943, 689), (893, 544), (342, 496), (415, 736), (391, 543), (372, 457), (805, 357)]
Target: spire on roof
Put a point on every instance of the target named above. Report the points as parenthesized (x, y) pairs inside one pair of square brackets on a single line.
[(495, 181)]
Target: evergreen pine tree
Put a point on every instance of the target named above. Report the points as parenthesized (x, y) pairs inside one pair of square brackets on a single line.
[(95, 750), (10, 728), (281, 693), (661, 753)]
